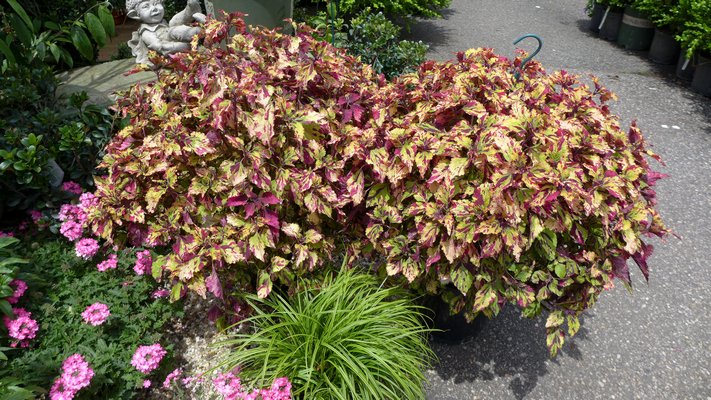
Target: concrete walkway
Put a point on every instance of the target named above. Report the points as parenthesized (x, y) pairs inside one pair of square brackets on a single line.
[(654, 343)]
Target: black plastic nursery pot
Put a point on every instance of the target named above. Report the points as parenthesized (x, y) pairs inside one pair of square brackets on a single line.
[(636, 31), (451, 329), (685, 67), (610, 25), (664, 49), (597, 12), (702, 76)]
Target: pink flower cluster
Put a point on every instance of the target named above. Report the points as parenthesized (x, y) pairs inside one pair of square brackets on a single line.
[(172, 377), (96, 314), (72, 187), (230, 387), (144, 261), (86, 248), (73, 218), (20, 288), (22, 328), (87, 201), (110, 263), (147, 358), (76, 375), (6, 234)]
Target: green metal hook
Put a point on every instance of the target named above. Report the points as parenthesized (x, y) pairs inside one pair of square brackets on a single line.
[(527, 59)]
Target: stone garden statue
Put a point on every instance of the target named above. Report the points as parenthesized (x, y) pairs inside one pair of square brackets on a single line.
[(155, 34)]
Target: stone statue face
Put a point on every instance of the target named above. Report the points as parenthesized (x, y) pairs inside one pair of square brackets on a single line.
[(150, 11)]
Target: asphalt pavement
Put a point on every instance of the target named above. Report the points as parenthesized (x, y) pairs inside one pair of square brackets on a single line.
[(653, 343)]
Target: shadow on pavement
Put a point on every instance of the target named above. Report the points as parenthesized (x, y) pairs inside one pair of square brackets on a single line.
[(509, 346), (429, 31)]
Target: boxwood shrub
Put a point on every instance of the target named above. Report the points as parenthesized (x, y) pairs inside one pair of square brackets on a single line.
[(254, 160)]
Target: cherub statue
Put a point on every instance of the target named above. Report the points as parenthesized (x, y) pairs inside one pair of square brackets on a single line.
[(155, 34)]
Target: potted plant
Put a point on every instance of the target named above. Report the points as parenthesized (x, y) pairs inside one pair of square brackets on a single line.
[(695, 38), (612, 18), (118, 11), (636, 31), (668, 17), (595, 11)]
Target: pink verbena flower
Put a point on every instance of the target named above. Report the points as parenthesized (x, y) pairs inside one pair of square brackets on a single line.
[(6, 234), (60, 391), (110, 263), (144, 261), (36, 215), (86, 248), (20, 288), (96, 314), (71, 230), (146, 383), (76, 373), (172, 377), (87, 201), (72, 187), (147, 358), (22, 328), (228, 385), (71, 212)]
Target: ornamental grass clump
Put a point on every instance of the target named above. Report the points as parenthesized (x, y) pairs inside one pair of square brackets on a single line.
[(349, 339), (256, 159)]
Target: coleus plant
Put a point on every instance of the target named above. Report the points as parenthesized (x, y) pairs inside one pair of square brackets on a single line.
[(262, 156)]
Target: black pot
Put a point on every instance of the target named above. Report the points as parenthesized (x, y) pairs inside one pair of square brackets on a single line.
[(611, 24), (684, 69), (597, 12), (702, 76), (665, 49), (636, 30), (452, 328)]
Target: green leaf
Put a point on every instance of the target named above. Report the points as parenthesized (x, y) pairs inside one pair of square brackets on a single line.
[(560, 270), (96, 28), (82, 42), (21, 12), (462, 279), (5, 307), (264, 285), (107, 20), (5, 50), (21, 30)]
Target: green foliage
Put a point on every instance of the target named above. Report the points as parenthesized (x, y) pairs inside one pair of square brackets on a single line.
[(695, 35), (666, 14), (28, 42), (415, 8), (122, 52), (63, 286), (615, 3), (348, 339), (373, 38), (264, 156), (38, 128)]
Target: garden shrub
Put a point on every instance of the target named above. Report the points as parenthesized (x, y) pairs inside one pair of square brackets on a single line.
[(255, 162), (345, 339), (667, 14), (695, 35), (373, 38), (61, 287), (38, 128), (406, 8)]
